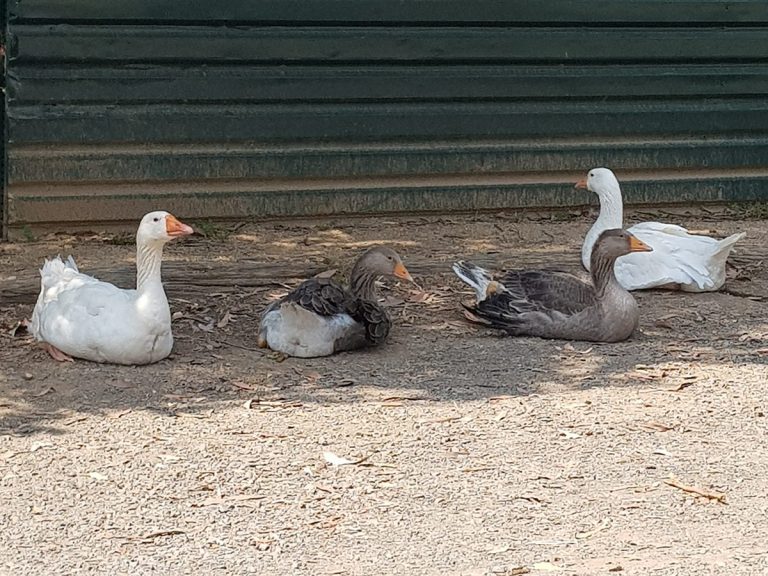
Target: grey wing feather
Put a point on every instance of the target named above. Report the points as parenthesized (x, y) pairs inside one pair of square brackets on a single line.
[(326, 297), (550, 290)]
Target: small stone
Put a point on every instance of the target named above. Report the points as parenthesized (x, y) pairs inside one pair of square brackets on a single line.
[(28, 376)]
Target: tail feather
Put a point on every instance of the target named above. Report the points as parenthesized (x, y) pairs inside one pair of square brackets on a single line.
[(58, 266), (725, 245), (478, 278)]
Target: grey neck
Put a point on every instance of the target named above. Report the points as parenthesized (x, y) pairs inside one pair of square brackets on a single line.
[(601, 270), (362, 282)]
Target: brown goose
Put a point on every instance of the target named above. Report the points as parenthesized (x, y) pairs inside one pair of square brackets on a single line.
[(553, 304), (321, 317)]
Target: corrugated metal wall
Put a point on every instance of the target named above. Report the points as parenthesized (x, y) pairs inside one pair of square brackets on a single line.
[(283, 107)]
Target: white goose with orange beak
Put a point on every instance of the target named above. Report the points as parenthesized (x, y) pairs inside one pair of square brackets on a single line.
[(679, 261), (79, 316)]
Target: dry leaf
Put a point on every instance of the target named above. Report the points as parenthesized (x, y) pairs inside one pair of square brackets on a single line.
[(153, 535), (569, 435), (711, 494), (327, 274), (681, 386), (661, 452), (224, 320), (97, 476), (38, 445), (200, 415), (44, 392), (658, 426), (241, 499), (334, 460), (546, 567)]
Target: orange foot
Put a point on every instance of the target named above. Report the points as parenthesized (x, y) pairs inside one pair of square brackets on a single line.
[(57, 354)]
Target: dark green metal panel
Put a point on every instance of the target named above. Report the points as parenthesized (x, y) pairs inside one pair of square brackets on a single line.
[(461, 82), (394, 122), (280, 107), (196, 163), (406, 11), (205, 45)]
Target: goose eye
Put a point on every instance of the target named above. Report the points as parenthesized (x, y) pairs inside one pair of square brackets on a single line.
[(156, 219)]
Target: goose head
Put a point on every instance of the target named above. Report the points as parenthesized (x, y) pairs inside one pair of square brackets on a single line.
[(160, 227), (383, 261), (615, 243), (602, 182)]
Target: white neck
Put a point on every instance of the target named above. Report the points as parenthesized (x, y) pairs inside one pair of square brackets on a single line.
[(611, 216), (149, 257)]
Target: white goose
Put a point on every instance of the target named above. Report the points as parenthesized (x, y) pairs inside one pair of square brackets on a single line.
[(78, 315), (679, 260)]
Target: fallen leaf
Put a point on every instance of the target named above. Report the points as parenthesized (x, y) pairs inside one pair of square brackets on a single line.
[(335, 460), (158, 534), (97, 476), (237, 499), (658, 426), (546, 567), (200, 415), (710, 494), (569, 435), (21, 328), (681, 386), (661, 452), (44, 392), (327, 274), (224, 320), (75, 420), (38, 445)]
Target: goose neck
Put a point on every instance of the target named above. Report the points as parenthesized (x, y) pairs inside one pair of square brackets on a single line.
[(602, 272), (363, 282), (149, 257)]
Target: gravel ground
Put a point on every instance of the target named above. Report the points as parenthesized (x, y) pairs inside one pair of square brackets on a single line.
[(449, 451)]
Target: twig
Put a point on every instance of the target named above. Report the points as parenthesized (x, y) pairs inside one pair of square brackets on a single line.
[(712, 495), (235, 345)]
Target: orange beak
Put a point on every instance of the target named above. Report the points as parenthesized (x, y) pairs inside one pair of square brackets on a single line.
[(636, 245), (402, 272), (581, 184), (175, 228)]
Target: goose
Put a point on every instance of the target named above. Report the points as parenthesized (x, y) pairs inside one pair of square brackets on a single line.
[(79, 316), (679, 261), (552, 304), (321, 317)]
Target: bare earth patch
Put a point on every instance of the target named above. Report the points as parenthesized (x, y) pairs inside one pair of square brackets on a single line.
[(449, 451)]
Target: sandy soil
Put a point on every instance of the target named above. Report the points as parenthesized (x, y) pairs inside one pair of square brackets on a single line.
[(472, 454)]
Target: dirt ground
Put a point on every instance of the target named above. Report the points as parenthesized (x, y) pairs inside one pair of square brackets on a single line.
[(471, 453)]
